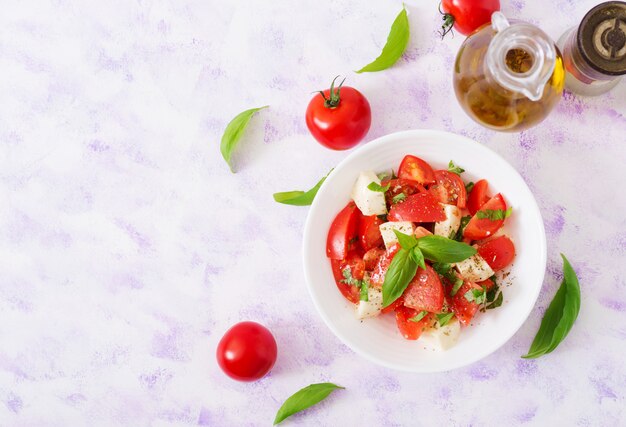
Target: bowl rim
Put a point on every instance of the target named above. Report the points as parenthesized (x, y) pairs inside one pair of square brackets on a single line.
[(371, 146)]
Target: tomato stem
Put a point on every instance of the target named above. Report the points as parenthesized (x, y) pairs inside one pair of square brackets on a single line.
[(333, 97), (448, 23)]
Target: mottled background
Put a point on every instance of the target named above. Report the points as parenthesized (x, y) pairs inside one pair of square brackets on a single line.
[(127, 247)]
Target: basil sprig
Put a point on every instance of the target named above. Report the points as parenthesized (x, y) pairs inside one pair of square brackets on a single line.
[(397, 41), (298, 197), (454, 168), (560, 315), (494, 214), (412, 254), (305, 398), (233, 133)]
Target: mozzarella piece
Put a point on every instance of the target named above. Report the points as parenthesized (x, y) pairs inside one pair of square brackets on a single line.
[(474, 269), (372, 306), (389, 237), (451, 223), (369, 202), (442, 337)]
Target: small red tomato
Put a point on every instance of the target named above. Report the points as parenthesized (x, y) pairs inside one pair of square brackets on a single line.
[(339, 117), (247, 351), (467, 15)]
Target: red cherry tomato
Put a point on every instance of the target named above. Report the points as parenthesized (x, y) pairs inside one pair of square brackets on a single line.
[(449, 188), (342, 231), (421, 207), (478, 228), (425, 292), (467, 15), (392, 307), (355, 264), (377, 278), (463, 309), (339, 118), (416, 169), (369, 232), (247, 351), (409, 329), (498, 252), (407, 187), (478, 196)]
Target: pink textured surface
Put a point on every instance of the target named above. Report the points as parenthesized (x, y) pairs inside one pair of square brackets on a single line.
[(128, 248)]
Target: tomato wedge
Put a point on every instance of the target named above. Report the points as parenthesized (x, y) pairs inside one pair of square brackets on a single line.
[(342, 231), (357, 270), (463, 309), (369, 233), (411, 330), (425, 292), (498, 252), (392, 307), (416, 169), (371, 258), (478, 196), (421, 207), (377, 278), (479, 228), (449, 188), (396, 186)]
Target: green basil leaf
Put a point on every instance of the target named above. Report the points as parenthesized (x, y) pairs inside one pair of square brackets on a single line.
[(406, 241), (374, 186), (348, 279), (560, 315), (459, 233), (398, 198), (468, 187), (495, 297), (419, 316), (300, 198), (233, 133), (305, 398), (494, 214), (418, 257), (399, 274), (397, 41), (455, 169), (457, 285), (385, 175), (440, 249), (364, 288), (447, 272), (444, 318)]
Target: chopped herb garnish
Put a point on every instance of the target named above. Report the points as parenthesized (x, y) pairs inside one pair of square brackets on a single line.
[(457, 285), (447, 272), (476, 295), (364, 288), (459, 233), (419, 316), (383, 218), (348, 279), (374, 186), (385, 175), (494, 295), (444, 318), (493, 214), (454, 168), (398, 198), (469, 186)]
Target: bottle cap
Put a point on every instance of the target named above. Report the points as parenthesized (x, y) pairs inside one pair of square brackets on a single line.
[(602, 38)]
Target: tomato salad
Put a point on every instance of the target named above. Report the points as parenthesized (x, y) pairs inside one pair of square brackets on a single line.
[(423, 245)]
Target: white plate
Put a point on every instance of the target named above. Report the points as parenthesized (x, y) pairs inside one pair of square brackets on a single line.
[(377, 338)]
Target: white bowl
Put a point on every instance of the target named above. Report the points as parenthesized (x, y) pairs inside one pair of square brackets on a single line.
[(378, 338)]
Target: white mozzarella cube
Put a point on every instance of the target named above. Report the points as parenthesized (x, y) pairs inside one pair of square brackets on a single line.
[(389, 237), (474, 269), (369, 202), (442, 337), (452, 222), (372, 306)]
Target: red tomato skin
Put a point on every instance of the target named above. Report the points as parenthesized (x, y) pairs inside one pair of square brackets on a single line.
[(477, 228), (357, 269), (398, 185), (449, 188), (377, 278), (478, 196), (498, 252), (421, 207), (369, 232), (341, 127), (463, 309), (425, 292), (392, 307), (342, 231), (411, 330), (371, 257), (416, 169), (247, 351), (470, 15)]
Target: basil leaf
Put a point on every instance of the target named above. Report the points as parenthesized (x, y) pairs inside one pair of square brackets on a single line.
[(447, 272), (364, 288), (440, 249), (399, 274), (444, 318), (374, 186), (469, 186), (348, 279), (406, 241), (397, 41), (494, 214), (233, 133), (418, 257), (419, 316), (457, 285), (560, 315), (299, 198), (476, 295), (384, 175), (398, 198), (495, 297), (455, 169), (459, 233), (304, 398)]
